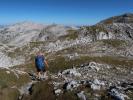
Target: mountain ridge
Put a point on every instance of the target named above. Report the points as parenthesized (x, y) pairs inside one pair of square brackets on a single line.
[(59, 37), (124, 18)]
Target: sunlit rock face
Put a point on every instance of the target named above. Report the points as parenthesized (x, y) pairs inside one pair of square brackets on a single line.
[(20, 35)]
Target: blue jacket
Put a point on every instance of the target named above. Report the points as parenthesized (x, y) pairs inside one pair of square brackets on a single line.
[(39, 61)]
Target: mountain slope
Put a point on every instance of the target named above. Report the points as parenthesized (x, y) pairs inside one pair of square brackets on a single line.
[(16, 37), (125, 18), (91, 61)]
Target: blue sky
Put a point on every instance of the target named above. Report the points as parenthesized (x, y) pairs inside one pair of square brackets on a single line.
[(69, 12)]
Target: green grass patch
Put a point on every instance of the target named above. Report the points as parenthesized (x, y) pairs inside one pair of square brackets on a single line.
[(72, 35), (36, 43), (45, 91), (68, 95), (68, 50), (9, 94), (42, 91), (114, 42), (9, 80), (23, 79), (11, 54), (29, 66), (96, 28), (3, 84), (60, 63)]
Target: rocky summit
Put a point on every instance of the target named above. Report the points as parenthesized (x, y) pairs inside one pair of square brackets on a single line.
[(85, 63)]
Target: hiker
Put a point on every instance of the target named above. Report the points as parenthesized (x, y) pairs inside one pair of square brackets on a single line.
[(40, 64)]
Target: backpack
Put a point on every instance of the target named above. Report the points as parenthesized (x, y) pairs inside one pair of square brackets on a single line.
[(39, 61)]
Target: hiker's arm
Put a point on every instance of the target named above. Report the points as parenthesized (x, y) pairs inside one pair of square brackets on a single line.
[(46, 63)]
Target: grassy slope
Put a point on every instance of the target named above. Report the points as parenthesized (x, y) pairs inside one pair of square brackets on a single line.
[(7, 81), (61, 63), (45, 91)]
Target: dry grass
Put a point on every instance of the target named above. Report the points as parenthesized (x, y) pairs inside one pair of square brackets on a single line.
[(72, 35), (9, 94), (8, 80), (41, 91), (45, 91), (69, 95), (114, 42), (60, 63), (95, 28)]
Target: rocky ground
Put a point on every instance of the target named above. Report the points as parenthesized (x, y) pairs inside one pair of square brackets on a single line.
[(93, 81)]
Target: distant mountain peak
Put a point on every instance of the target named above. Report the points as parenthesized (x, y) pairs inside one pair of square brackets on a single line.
[(128, 14), (124, 18), (27, 23)]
